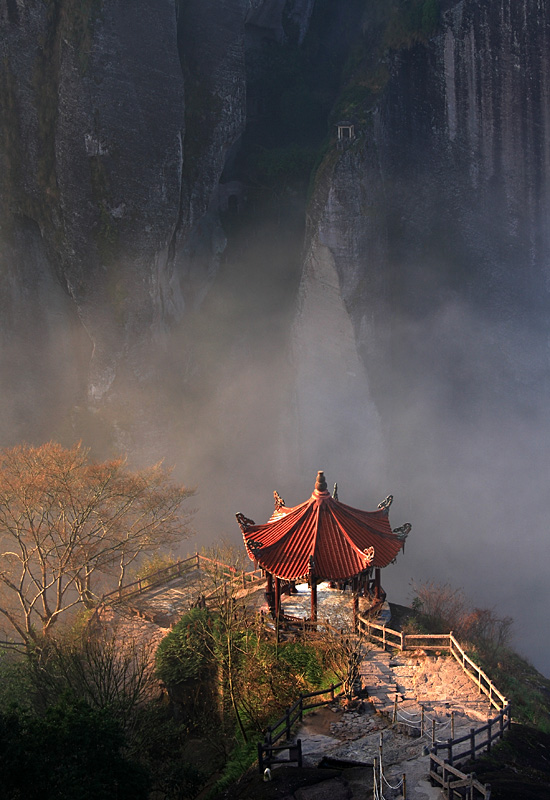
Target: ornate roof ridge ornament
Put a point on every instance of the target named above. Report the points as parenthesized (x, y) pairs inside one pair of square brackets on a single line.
[(368, 555), (244, 522), (320, 483), (385, 504), (279, 502), (335, 492), (254, 546), (403, 532)]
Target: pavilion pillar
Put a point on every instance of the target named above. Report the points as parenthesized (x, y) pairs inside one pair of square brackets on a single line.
[(277, 597), (313, 582), (355, 586), (269, 591), (377, 584)]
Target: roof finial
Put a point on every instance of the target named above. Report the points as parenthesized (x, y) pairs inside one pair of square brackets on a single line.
[(321, 484), (279, 502)]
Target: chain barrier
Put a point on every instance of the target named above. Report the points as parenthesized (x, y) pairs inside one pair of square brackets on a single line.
[(379, 779)]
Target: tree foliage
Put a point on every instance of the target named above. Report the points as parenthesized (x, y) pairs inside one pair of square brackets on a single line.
[(72, 751), (253, 677), (439, 608), (64, 519), (186, 653)]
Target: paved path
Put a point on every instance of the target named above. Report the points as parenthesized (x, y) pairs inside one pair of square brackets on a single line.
[(435, 683)]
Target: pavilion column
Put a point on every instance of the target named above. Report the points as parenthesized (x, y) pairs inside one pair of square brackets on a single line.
[(269, 590), (355, 603), (277, 597), (313, 582)]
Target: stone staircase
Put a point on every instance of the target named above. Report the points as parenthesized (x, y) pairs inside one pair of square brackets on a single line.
[(428, 687)]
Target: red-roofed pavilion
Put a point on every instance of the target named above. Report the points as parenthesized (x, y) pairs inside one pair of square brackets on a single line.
[(323, 540)]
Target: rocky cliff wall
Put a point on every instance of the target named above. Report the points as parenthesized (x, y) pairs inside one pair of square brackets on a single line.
[(116, 123), (92, 149), (436, 220), (443, 195)]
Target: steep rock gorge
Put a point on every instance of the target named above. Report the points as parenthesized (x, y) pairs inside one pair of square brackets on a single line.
[(154, 162)]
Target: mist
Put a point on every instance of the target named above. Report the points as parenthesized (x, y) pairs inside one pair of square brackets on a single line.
[(263, 385), (459, 435), (386, 323)]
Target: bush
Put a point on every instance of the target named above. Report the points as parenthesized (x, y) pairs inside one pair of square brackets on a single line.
[(438, 608), (304, 662), (72, 752), (155, 563), (185, 653)]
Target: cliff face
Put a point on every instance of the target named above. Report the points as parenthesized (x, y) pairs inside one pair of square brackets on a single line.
[(436, 220), (117, 123), (443, 196), (93, 154)]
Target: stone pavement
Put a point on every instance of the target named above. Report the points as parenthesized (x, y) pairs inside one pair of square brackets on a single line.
[(435, 683), (361, 733)]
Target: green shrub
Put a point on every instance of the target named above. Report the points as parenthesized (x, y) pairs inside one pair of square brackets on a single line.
[(153, 564), (304, 661), (71, 752), (185, 653)]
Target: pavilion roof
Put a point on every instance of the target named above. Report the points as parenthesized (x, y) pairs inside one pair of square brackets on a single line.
[(322, 537)]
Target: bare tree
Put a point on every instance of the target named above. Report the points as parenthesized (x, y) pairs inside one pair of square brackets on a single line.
[(64, 519), (107, 668)]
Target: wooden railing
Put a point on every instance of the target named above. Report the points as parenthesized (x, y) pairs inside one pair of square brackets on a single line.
[(478, 739), (435, 641), (230, 576), (283, 728), (456, 783), (444, 771), (176, 570)]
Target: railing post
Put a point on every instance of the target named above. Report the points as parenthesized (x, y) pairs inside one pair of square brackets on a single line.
[(198, 561), (450, 751), (402, 641), (489, 730), (421, 720), (452, 724), (299, 746), (473, 743), (332, 692), (404, 787), (395, 709), (433, 731)]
